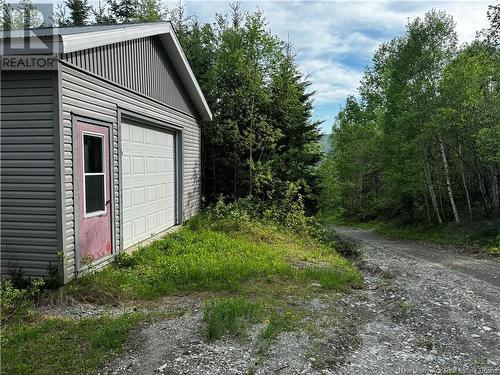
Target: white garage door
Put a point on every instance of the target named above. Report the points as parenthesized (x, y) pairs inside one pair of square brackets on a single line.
[(148, 182)]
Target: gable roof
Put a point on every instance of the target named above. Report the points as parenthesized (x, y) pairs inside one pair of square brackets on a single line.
[(71, 39)]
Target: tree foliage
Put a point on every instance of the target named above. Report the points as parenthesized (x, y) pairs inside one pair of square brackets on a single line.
[(422, 141), (79, 12), (20, 15), (261, 141)]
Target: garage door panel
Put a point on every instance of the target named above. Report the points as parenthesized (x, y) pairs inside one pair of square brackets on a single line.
[(150, 164), (148, 182), (151, 193), (125, 165), (151, 222), (127, 231), (127, 198), (163, 217), (138, 196)]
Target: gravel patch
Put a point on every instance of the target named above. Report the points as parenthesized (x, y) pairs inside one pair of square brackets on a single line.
[(429, 310), (179, 346)]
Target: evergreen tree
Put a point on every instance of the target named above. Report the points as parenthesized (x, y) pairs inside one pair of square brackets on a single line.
[(261, 141), (151, 11), (79, 11), (21, 15), (124, 11), (61, 17), (6, 16), (297, 150), (102, 15)]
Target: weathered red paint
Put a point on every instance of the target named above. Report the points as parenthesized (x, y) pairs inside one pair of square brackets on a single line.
[(95, 232)]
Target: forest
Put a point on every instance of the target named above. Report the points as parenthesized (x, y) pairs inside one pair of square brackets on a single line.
[(420, 142)]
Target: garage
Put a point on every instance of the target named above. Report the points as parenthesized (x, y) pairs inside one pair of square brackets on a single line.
[(148, 181), (107, 147)]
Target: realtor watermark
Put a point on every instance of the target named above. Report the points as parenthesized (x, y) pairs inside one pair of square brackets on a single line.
[(27, 29), (28, 63)]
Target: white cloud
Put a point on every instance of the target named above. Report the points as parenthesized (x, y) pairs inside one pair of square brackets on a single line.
[(336, 39), (332, 81)]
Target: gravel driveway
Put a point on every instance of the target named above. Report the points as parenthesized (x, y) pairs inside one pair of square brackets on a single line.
[(428, 309), (425, 309)]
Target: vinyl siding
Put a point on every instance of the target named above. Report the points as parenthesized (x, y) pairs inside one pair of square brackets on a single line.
[(140, 65), (28, 172), (90, 96)]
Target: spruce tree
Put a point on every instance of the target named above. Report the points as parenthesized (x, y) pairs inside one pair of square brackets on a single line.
[(102, 15), (125, 11), (79, 11)]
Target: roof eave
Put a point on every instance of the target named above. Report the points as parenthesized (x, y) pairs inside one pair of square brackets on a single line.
[(91, 39)]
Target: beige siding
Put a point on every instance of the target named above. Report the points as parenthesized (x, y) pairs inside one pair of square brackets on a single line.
[(29, 238), (95, 98)]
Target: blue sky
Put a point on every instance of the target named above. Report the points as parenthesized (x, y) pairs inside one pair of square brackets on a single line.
[(336, 39)]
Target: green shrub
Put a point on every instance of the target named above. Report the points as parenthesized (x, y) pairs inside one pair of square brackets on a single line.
[(495, 251), (16, 303), (124, 260), (286, 213)]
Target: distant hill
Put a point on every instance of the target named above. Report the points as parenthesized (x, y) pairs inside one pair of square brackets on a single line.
[(325, 143)]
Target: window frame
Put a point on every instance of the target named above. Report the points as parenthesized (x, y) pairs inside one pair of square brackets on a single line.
[(85, 174)]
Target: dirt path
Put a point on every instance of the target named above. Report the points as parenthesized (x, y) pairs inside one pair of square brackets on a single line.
[(426, 309)]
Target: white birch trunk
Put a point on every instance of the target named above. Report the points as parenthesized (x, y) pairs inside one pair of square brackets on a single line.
[(432, 192), (464, 181), (448, 180)]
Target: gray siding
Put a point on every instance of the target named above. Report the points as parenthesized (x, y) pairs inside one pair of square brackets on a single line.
[(90, 96), (28, 173), (141, 65)]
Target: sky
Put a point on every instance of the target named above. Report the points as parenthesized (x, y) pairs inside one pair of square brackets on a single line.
[(335, 40)]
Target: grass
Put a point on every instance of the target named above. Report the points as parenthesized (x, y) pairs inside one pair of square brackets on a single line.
[(64, 346), (229, 316), (203, 257), (255, 266), (484, 234), (277, 323), (405, 307)]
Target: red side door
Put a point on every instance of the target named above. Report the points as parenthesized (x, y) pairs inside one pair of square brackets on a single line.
[(94, 191)]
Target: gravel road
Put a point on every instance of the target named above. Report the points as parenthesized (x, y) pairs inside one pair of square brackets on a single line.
[(427, 309)]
